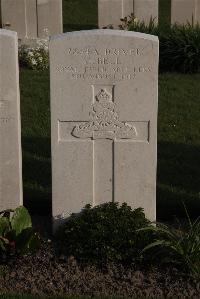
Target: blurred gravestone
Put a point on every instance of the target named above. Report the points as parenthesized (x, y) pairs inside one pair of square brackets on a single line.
[(146, 10), (104, 120), (20, 16), (32, 18), (185, 11), (10, 129), (50, 20), (111, 11)]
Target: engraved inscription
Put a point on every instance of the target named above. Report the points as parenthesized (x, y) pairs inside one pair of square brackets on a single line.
[(4, 104), (4, 112), (104, 63), (105, 123)]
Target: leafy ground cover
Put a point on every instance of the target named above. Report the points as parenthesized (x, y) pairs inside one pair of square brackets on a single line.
[(42, 274)]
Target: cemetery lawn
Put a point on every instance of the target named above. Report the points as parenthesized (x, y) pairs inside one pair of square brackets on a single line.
[(178, 143)]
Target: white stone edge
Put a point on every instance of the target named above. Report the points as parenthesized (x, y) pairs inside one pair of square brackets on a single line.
[(8, 32), (109, 32)]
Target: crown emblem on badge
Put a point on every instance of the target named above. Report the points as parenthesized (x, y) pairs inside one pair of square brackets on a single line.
[(105, 123), (103, 96)]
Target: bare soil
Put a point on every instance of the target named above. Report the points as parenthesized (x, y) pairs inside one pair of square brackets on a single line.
[(44, 273)]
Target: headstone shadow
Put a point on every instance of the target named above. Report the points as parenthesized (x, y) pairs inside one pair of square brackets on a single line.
[(37, 174), (178, 180)]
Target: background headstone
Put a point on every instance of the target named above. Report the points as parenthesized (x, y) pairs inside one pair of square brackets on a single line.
[(10, 128), (111, 11), (20, 16), (104, 120), (32, 18), (145, 10), (50, 20), (184, 11), (14, 16)]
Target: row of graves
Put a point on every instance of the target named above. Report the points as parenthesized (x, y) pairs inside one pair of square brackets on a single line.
[(104, 96), (111, 11), (43, 18)]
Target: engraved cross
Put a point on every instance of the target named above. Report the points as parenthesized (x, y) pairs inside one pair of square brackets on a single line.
[(104, 129)]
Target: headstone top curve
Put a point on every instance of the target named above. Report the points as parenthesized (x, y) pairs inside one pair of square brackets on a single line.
[(110, 32), (8, 32)]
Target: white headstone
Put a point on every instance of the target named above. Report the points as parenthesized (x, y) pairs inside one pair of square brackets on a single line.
[(146, 10), (49, 17), (32, 18), (104, 93), (185, 11), (10, 128), (111, 11), (20, 16)]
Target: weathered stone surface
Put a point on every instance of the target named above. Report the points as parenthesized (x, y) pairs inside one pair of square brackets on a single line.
[(145, 10), (111, 11), (184, 11), (20, 16), (104, 120), (10, 129), (49, 17)]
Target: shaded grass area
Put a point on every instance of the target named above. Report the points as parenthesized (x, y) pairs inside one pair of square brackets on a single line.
[(178, 143), (164, 11), (36, 144), (80, 15)]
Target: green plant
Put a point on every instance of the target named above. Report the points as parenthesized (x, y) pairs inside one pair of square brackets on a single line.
[(35, 57), (16, 232), (179, 44), (177, 246), (105, 233)]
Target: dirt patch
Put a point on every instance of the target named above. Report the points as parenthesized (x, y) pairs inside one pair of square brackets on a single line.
[(43, 273)]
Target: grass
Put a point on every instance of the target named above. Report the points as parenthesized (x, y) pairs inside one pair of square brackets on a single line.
[(178, 145), (80, 14), (36, 144), (164, 11)]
